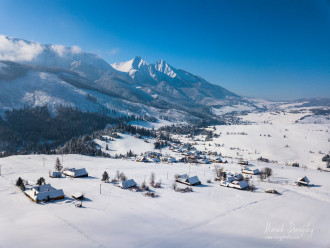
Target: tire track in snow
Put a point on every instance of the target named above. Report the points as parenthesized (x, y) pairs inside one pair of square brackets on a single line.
[(80, 232), (156, 241)]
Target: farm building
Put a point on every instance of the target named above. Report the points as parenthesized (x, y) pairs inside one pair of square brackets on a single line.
[(206, 161), (154, 160), (217, 160), (75, 172), (55, 174), (243, 162), (272, 191), (168, 159), (127, 184), (234, 183), (141, 159), (251, 172), (78, 196), (44, 193), (192, 181), (303, 181)]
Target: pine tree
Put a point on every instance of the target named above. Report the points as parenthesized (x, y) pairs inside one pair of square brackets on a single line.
[(58, 165), (41, 181), (105, 177), (19, 182)]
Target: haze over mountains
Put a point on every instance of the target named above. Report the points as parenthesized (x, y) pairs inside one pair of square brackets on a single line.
[(34, 74)]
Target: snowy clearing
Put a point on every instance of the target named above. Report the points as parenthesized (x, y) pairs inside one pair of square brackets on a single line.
[(211, 216)]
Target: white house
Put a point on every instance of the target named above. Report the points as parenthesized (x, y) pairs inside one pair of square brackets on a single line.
[(75, 172), (44, 193), (154, 160), (251, 172), (55, 174), (141, 159), (127, 184), (192, 181), (206, 161), (235, 184), (304, 181)]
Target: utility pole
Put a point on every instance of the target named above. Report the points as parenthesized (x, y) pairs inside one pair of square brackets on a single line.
[(62, 158), (100, 187)]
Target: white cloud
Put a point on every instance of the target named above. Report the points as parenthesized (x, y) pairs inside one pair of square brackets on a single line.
[(76, 49), (59, 49), (18, 50), (113, 51)]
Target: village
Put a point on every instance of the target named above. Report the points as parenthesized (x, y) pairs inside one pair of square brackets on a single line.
[(218, 179), (42, 192)]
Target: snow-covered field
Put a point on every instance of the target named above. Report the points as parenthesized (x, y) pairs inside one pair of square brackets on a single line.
[(275, 136), (211, 216)]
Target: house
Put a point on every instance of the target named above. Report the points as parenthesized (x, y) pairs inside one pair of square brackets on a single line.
[(75, 172), (234, 181), (78, 196), (239, 177), (303, 181), (239, 184), (55, 174), (242, 162), (272, 191), (141, 159), (185, 179), (251, 172), (218, 160), (44, 193), (155, 160), (206, 161), (127, 184)]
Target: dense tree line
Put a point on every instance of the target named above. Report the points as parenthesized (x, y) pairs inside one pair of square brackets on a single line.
[(31, 130)]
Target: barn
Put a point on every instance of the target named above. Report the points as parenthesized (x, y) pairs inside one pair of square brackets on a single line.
[(185, 179), (304, 181), (44, 193), (75, 172), (127, 184)]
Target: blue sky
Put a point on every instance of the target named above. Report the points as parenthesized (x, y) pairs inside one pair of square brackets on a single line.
[(274, 49)]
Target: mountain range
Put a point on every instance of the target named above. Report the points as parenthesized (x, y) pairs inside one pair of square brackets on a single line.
[(34, 74)]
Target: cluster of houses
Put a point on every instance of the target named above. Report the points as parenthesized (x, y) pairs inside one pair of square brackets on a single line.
[(235, 181), (46, 192), (185, 179), (187, 154)]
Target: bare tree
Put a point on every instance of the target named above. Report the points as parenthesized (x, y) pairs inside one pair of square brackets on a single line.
[(152, 179)]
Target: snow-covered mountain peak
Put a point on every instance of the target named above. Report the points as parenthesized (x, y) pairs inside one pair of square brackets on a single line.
[(165, 68), (69, 58), (133, 64)]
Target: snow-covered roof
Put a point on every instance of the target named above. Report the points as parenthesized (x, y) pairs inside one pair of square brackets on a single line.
[(76, 172), (43, 192), (127, 184), (193, 180), (77, 195), (240, 184), (303, 180), (230, 179), (239, 176), (183, 176)]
